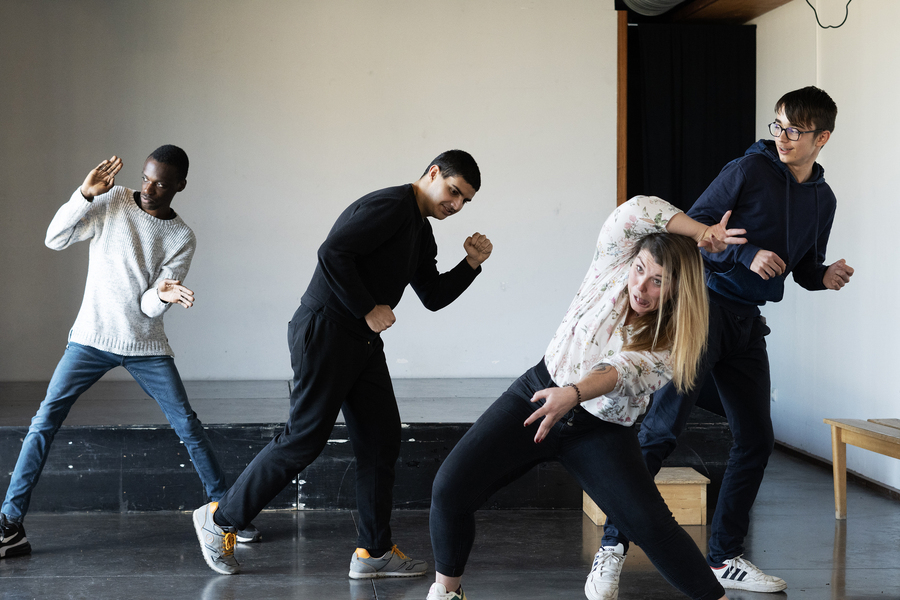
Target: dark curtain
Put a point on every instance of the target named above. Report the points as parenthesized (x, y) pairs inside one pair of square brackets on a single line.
[(691, 106), (691, 109)]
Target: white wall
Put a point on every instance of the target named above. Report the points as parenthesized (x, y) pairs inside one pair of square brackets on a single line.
[(290, 111), (833, 353)]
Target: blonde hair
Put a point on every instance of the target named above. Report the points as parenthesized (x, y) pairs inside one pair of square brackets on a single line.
[(681, 320)]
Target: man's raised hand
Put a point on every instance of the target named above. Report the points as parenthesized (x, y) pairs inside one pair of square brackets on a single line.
[(837, 275), (767, 264), (478, 249), (101, 179), (171, 291)]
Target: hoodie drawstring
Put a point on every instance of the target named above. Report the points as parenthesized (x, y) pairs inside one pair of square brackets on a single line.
[(787, 222)]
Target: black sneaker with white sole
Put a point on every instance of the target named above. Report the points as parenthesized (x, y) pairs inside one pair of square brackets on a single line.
[(248, 535), (12, 539)]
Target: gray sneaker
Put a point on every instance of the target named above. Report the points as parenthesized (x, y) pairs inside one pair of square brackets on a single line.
[(216, 543), (603, 581), (393, 564)]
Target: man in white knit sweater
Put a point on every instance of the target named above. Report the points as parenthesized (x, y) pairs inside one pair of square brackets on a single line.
[(140, 252)]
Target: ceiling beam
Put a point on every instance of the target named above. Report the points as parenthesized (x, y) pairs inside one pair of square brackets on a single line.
[(732, 11)]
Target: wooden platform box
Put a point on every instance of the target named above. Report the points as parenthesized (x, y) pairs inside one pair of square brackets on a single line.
[(683, 489)]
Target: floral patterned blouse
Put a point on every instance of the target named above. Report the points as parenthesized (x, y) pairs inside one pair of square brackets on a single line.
[(592, 331)]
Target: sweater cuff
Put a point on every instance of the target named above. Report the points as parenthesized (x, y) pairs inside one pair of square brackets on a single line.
[(151, 304), (746, 253)]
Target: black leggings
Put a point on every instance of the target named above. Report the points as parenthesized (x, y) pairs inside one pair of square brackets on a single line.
[(604, 457)]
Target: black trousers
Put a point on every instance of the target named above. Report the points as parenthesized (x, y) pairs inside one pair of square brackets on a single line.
[(334, 369), (737, 360), (605, 459)]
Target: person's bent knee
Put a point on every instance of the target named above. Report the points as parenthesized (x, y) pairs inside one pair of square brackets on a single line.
[(447, 494), (441, 491), (652, 529), (655, 433), (43, 426), (755, 449), (189, 430)]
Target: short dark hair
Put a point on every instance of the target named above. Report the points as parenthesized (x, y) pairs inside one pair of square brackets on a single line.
[(808, 107), (460, 163), (174, 156)]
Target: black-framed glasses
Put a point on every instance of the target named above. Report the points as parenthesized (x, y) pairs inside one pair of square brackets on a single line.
[(793, 133)]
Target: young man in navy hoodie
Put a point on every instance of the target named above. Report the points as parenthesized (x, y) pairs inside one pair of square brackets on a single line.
[(777, 192)]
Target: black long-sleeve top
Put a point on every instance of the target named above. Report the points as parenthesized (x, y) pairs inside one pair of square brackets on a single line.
[(379, 245)]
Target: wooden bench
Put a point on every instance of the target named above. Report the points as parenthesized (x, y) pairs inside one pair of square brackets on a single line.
[(683, 489), (877, 435)]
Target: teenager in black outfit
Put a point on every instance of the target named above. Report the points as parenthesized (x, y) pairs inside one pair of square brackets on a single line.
[(378, 245)]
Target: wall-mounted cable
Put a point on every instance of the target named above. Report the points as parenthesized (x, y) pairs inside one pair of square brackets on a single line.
[(846, 14)]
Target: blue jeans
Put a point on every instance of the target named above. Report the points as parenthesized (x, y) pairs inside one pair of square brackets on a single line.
[(604, 458), (737, 360), (81, 367)]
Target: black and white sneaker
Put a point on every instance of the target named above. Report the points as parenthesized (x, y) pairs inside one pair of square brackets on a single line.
[(12, 539), (739, 573), (248, 535)]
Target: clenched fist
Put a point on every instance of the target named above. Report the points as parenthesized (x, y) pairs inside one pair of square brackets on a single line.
[(478, 249)]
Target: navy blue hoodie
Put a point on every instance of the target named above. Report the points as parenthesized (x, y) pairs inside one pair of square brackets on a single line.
[(791, 219)]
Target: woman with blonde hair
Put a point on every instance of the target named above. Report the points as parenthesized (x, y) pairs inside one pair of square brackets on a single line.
[(638, 320)]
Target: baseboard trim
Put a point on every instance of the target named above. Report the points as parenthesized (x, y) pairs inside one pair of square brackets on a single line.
[(867, 482)]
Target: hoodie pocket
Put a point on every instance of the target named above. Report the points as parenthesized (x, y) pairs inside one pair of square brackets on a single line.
[(743, 285)]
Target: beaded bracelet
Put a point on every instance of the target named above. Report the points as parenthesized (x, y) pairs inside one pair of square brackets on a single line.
[(577, 391)]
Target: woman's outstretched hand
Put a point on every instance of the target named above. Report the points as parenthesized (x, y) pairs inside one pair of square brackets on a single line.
[(718, 237), (560, 400)]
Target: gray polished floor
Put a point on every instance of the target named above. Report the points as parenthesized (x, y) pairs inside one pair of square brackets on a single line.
[(518, 555)]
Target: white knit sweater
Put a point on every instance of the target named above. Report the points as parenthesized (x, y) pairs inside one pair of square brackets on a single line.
[(131, 252)]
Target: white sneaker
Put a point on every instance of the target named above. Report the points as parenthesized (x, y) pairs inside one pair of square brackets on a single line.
[(740, 574), (603, 581), (439, 592)]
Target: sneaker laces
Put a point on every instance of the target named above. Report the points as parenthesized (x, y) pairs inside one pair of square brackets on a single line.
[(228, 544), (396, 550), (740, 560), (608, 561)]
